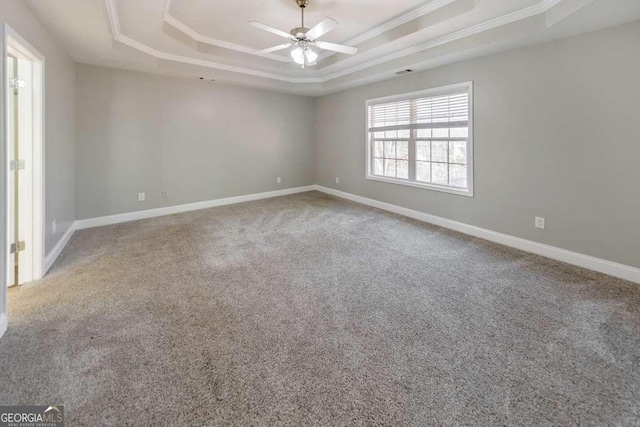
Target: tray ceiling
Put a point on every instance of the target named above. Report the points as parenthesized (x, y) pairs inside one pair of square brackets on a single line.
[(193, 38)]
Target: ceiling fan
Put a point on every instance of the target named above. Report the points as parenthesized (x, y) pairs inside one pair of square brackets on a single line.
[(305, 39)]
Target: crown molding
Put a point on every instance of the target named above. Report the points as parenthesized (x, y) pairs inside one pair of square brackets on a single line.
[(401, 20), (190, 32), (509, 18), (393, 23), (545, 5)]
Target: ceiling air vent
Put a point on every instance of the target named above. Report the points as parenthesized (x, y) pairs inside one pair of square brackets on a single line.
[(407, 71)]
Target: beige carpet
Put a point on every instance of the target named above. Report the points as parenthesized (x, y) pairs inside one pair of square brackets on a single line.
[(308, 310)]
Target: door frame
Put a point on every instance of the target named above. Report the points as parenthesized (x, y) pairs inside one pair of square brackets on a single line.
[(14, 43)]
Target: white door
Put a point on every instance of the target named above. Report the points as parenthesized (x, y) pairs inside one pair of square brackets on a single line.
[(20, 167), (11, 183), (25, 172)]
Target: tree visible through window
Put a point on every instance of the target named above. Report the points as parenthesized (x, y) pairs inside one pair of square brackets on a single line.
[(423, 139)]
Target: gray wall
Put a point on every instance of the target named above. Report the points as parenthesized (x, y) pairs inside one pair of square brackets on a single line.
[(556, 135), (60, 109), (196, 140)]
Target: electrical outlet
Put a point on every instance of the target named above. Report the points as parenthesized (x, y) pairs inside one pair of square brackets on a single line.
[(54, 227), (540, 222), (279, 180), (142, 197), (337, 180), (165, 194)]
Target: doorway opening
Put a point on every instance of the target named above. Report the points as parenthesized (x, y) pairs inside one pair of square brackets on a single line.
[(24, 96)]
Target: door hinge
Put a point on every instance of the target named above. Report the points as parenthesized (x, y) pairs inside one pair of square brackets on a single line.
[(16, 83), (16, 164), (20, 246)]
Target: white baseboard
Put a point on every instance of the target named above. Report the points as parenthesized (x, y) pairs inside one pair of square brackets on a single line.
[(592, 263), (170, 210), (57, 249)]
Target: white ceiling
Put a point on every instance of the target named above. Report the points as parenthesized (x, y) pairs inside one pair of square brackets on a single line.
[(212, 38)]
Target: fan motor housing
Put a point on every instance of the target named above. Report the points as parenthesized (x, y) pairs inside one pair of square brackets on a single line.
[(300, 32)]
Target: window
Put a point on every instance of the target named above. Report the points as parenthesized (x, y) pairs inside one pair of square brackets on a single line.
[(423, 139)]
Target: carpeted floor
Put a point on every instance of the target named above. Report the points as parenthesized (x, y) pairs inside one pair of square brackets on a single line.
[(308, 309)]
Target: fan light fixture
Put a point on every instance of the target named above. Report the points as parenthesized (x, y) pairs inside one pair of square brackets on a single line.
[(298, 55), (310, 55), (304, 56), (303, 39)]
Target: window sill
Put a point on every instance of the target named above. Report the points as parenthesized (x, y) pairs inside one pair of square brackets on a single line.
[(434, 187)]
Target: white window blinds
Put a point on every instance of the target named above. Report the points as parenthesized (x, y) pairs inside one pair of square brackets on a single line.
[(421, 113)]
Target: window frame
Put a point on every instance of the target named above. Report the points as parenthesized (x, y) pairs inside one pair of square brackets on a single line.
[(432, 92)]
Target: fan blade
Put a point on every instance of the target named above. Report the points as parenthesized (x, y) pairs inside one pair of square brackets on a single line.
[(270, 29), (326, 25), (337, 48), (274, 48)]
